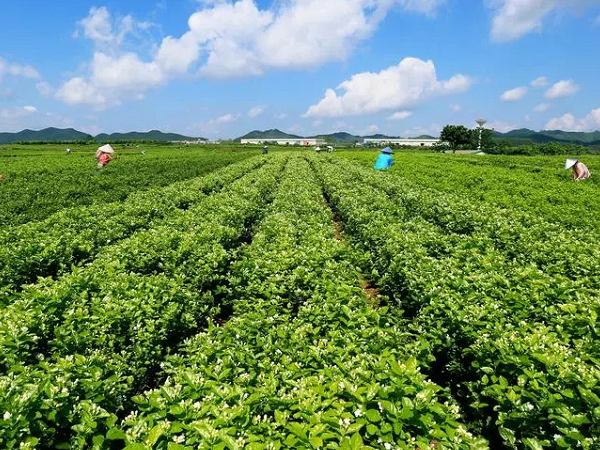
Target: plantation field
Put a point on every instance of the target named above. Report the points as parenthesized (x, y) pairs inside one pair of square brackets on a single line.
[(303, 301), (42, 180), (534, 184)]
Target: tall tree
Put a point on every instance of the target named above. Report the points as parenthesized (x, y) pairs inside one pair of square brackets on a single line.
[(457, 136)]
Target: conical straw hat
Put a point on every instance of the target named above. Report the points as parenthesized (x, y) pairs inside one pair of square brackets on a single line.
[(570, 163)]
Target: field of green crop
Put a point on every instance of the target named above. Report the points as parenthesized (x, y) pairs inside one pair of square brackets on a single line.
[(302, 301)]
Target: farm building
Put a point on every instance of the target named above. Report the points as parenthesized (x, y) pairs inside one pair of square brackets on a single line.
[(408, 142), (304, 142)]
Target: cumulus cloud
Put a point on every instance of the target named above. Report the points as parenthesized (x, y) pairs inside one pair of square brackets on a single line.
[(17, 70), (100, 27), (514, 95), (514, 19), (405, 85), (563, 88), (542, 107), (539, 82), (13, 113), (226, 39), (501, 126), (568, 122), (224, 119), (256, 111), (400, 115)]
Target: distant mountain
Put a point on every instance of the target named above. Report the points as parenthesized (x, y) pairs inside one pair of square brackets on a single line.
[(571, 136), (154, 135), (69, 134), (268, 134), (525, 136), (47, 134), (341, 137)]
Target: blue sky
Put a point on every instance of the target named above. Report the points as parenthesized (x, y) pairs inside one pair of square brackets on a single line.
[(222, 68)]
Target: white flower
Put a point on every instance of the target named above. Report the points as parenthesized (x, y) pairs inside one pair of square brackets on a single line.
[(380, 406), (179, 439), (347, 421), (387, 445), (7, 415), (358, 413)]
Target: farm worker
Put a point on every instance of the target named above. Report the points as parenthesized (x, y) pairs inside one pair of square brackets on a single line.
[(104, 155), (265, 150), (580, 171), (68, 151), (385, 159)]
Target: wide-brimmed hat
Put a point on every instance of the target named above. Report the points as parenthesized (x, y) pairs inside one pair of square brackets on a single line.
[(387, 150), (570, 163), (106, 149)]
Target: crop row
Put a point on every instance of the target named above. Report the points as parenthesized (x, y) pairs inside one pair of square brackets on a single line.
[(37, 186), (304, 362), (537, 185), (517, 345), (74, 236), (77, 348)]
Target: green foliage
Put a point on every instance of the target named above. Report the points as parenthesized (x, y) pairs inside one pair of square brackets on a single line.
[(227, 312), (37, 186), (457, 136)]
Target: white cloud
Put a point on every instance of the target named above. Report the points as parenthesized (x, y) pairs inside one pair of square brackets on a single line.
[(432, 130), (226, 118), (17, 70), (569, 122), (226, 38), (280, 116), (539, 82), (563, 88), (514, 95), (106, 32), (502, 127), (405, 85), (400, 115), (256, 111), (516, 18), (542, 107), (455, 108), (13, 113), (44, 89)]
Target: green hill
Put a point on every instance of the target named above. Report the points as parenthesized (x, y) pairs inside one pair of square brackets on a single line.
[(268, 134), (526, 136), (47, 134), (342, 137), (153, 135)]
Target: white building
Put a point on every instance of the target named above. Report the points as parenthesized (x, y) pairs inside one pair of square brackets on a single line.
[(302, 142), (407, 142)]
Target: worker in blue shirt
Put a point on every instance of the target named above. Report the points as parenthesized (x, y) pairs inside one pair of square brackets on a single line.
[(385, 159)]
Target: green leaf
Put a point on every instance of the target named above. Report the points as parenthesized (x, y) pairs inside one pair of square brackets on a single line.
[(136, 447), (155, 434), (373, 415), (356, 443), (316, 441), (115, 434), (533, 444), (507, 435)]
